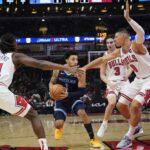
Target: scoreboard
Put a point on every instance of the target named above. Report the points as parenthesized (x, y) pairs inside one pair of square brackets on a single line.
[(34, 2), (67, 1), (46, 2)]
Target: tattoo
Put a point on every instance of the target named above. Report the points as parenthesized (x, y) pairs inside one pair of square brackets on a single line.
[(54, 76)]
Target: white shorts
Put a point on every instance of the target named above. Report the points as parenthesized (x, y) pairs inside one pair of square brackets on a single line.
[(138, 90), (13, 104), (120, 85)]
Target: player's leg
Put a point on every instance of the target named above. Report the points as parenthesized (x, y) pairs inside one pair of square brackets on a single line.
[(60, 117), (131, 93), (16, 105), (142, 97), (79, 109), (111, 97), (38, 129)]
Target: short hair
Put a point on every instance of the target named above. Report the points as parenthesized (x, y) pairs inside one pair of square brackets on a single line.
[(108, 37), (7, 43), (69, 53), (123, 30)]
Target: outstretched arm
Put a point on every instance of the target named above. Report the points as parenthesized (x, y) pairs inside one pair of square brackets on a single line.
[(22, 59), (128, 73), (101, 60), (139, 38)]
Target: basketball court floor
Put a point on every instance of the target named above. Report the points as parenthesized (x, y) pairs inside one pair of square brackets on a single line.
[(16, 133)]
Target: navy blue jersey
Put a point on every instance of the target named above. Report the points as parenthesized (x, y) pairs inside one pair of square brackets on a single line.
[(68, 81)]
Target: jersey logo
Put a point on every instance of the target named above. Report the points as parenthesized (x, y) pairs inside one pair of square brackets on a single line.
[(130, 51)]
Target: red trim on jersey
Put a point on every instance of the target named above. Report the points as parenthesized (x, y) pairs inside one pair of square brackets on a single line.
[(20, 102), (126, 97), (19, 112)]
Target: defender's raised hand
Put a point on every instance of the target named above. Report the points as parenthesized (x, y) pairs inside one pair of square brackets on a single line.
[(127, 11)]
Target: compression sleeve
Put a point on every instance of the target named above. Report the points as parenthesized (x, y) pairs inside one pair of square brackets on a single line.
[(139, 38)]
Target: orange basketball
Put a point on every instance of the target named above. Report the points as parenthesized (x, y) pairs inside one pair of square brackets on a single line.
[(56, 90)]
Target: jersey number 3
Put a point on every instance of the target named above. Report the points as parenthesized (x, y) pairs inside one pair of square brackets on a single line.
[(117, 71)]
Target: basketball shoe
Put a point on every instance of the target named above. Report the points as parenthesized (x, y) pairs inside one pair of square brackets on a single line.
[(95, 143), (58, 134)]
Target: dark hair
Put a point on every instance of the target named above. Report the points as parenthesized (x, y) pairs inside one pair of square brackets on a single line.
[(7, 43), (123, 30), (69, 53), (108, 37)]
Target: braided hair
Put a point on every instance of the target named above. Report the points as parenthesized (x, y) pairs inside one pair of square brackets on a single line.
[(7, 43)]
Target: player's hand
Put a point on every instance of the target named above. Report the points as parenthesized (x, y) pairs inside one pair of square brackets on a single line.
[(75, 70), (127, 11), (61, 96)]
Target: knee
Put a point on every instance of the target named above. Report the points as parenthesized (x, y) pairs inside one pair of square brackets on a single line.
[(112, 104), (31, 114), (135, 105), (82, 113), (121, 106), (59, 124)]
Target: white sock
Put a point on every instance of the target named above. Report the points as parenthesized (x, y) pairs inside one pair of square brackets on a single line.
[(131, 132), (105, 122), (43, 144)]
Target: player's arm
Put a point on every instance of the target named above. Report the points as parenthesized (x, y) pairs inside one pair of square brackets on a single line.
[(138, 46), (81, 87), (103, 73), (128, 73), (22, 59), (104, 78), (54, 78), (101, 60)]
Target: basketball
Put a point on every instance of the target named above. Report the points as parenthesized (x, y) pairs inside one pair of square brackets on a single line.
[(56, 90)]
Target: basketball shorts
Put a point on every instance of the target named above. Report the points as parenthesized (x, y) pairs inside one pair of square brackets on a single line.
[(13, 104), (120, 85), (62, 107), (138, 90)]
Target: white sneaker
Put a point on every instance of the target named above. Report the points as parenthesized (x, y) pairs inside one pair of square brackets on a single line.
[(101, 131)]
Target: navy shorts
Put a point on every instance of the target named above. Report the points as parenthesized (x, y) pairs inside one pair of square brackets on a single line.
[(62, 107)]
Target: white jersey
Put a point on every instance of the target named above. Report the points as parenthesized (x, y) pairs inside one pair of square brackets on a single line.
[(7, 68), (139, 63), (115, 70)]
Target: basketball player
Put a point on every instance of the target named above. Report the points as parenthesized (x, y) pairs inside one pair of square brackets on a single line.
[(136, 55), (114, 74), (75, 89), (14, 104)]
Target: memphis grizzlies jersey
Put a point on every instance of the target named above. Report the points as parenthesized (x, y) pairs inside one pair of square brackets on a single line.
[(68, 81), (7, 68)]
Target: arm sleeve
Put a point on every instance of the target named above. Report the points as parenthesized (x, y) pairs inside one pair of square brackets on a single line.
[(139, 38), (77, 94)]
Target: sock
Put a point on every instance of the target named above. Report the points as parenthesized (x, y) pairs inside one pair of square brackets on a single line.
[(131, 132), (105, 122), (89, 130), (43, 144)]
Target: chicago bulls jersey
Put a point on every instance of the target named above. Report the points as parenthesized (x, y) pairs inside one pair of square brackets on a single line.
[(6, 68), (115, 70), (139, 63)]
